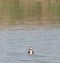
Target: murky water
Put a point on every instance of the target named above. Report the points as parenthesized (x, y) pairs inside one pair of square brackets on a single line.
[(15, 41)]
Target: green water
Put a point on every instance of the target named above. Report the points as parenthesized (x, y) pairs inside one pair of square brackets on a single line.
[(12, 10)]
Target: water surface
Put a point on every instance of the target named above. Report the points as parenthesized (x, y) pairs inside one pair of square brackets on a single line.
[(15, 41)]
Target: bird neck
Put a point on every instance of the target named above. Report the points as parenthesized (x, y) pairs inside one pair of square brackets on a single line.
[(30, 51)]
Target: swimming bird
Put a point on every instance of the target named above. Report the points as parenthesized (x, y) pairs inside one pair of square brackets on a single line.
[(30, 51)]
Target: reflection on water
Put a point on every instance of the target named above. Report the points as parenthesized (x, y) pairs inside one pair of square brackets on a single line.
[(15, 41)]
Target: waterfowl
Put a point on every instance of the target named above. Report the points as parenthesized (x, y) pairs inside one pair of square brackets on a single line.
[(30, 51)]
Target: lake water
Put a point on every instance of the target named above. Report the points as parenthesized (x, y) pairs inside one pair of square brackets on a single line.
[(15, 41)]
